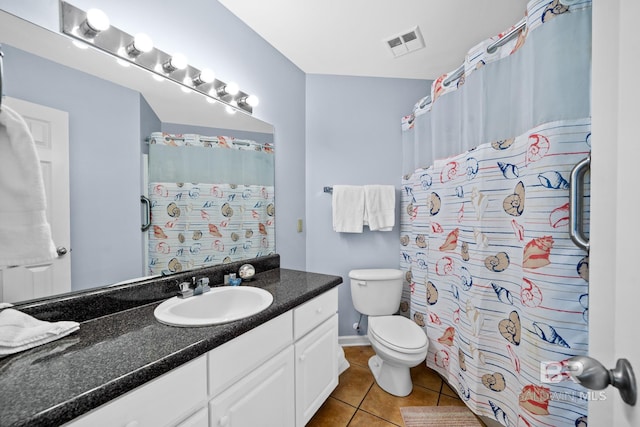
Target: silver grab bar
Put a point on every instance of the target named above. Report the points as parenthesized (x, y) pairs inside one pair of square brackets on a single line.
[(576, 203), (147, 204)]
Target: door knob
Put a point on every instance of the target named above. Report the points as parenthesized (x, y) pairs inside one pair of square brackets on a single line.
[(61, 250), (591, 374)]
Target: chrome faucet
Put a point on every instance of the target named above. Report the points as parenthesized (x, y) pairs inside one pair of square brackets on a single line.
[(200, 286)]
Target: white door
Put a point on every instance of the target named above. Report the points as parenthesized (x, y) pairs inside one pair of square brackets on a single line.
[(50, 130), (614, 285)]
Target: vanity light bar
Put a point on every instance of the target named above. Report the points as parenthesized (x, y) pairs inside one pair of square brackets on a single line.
[(117, 43)]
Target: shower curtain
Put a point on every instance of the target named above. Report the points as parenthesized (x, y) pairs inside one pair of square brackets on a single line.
[(212, 201), (491, 272)]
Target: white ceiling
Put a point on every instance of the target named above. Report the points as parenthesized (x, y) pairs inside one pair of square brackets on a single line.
[(346, 37)]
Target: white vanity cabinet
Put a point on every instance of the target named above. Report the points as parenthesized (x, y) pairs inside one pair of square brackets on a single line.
[(258, 389), (316, 352), (277, 374)]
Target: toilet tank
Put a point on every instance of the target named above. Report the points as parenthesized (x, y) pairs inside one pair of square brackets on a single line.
[(376, 292)]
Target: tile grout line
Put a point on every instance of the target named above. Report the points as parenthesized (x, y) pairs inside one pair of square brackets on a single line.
[(378, 417)]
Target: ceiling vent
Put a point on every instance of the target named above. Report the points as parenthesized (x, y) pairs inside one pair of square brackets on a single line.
[(406, 42)]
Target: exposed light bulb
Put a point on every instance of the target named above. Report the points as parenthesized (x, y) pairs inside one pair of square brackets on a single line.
[(252, 100), (205, 76), (95, 22), (141, 43), (232, 88), (176, 62)]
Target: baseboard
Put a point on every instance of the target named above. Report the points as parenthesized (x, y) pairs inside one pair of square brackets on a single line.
[(353, 340)]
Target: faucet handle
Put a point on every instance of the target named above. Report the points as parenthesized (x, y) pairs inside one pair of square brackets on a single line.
[(184, 286), (203, 283)]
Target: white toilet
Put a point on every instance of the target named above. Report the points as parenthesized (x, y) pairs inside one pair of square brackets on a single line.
[(399, 343)]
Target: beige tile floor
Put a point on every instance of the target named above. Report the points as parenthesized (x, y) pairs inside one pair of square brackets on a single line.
[(358, 401)]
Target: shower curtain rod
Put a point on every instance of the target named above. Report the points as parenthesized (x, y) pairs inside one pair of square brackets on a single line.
[(515, 30), (490, 49), (214, 139)]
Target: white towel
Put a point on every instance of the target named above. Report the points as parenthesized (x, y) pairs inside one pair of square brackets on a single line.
[(380, 207), (25, 233), (348, 208), (19, 331)]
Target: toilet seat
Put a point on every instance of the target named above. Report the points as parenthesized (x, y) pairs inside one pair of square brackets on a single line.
[(398, 333)]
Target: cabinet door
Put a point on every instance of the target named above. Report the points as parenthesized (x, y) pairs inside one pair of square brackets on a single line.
[(263, 398), (316, 369)]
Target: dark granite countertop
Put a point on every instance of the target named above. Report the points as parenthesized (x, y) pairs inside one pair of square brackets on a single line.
[(115, 353)]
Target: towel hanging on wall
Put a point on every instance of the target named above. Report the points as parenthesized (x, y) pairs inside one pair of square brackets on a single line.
[(355, 206), (348, 208), (379, 207), (25, 232)]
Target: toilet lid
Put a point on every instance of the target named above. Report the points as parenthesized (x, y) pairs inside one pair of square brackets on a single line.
[(398, 332)]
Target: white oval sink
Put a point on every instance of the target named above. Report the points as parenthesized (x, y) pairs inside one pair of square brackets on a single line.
[(220, 305)]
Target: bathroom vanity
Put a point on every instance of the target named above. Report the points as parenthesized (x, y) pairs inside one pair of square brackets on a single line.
[(127, 369)]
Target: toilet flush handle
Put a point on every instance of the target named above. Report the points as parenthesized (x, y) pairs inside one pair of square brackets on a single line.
[(362, 283)]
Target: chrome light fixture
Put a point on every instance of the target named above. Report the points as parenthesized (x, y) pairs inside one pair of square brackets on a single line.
[(250, 100), (205, 76), (141, 43), (228, 89), (139, 50), (95, 22), (176, 62)]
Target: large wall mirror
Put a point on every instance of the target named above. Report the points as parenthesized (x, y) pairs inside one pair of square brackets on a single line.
[(111, 112)]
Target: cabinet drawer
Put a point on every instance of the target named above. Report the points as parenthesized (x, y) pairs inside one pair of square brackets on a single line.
[(234, 359), (160, 402), (313, 312)]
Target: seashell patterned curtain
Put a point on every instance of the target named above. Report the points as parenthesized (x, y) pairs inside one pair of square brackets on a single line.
[(212, 201), (491, 272)]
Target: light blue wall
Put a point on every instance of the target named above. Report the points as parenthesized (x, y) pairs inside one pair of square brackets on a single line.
[(353, 137), (211, 36), (104, 160)]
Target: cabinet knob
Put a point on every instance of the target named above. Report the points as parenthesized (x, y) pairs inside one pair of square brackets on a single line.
[(319, 310), (133, 423), (302, 357), (223, 421)]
